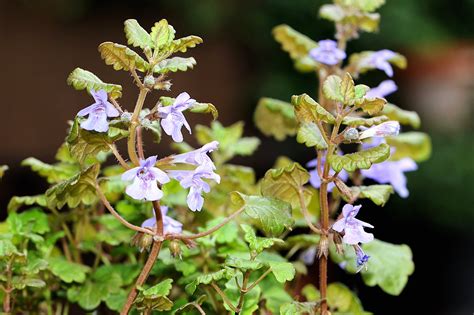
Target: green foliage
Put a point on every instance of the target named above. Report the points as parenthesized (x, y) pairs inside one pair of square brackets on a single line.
[(379, 194), (82, 79), (275, 118), (156, 297), (366, 122), (308, 110), (343, 301), (136, 35), (16, 202), (415, 145), (3, 169), (256, 243), (273, 216), (174, 64), (405, 117), (75, 190), (52, 173), (357, 61), (310, 135), (67, 271), (121, 57), (360, 160)]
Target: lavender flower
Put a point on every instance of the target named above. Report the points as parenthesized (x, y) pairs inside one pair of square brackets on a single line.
[(379, 60), (392, 172), (327, 53), (170, 225), (353, 228), (362, 259), (98, 112), (172, 118), (388, 128), (194, 181), (199, 156), (314, 179), (383, 89), (308, 255), (145, 180)]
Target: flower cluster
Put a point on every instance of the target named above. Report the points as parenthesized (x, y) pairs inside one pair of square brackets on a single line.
[(327, 53), (147, 178)]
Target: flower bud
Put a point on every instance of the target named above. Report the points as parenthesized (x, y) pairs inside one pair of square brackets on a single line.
[(142, 241), (388, 128), (175, 249), (163, 85), (338, 242), (323, 247), (351, 134), (126, 116), (149, 81)]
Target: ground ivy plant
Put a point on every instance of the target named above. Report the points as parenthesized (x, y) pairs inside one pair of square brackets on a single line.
[(192, 233), (359, 154)]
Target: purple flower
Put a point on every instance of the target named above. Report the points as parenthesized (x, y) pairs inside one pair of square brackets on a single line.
[(196, 184), (392, 172), (198, 156), (145, 180), (362, 259), (314, 179), (388, 128), (353, 228), (379, 60), (98, 112), (385, 88), (172, 118), (327, 53), (170, 225)]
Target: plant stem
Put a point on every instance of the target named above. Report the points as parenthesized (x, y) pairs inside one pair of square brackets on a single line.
[(224, 297), (306, 214), (141, 153), (155, 250), (118, 216), (133, 126), (8, 289), (259, 279), (243, 291), (119, 157)]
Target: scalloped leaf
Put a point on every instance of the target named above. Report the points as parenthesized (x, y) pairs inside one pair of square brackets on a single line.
[(308, 110), (270, 214), (293, 42), (182, 44), (275, 118), (162, 34), (372, 105), (207, 278), (53, 173), (174, 64), (67, 271), (136, 35), (17, 202), (256, 243), (379, 194), (205, 108), (76, 190), (415, 145), (361, 121), (155, 297), (310, 135), (360, 160), (121, 57), (356, 61), (82, 79), (404, 117), (282, 270), (242, 263)]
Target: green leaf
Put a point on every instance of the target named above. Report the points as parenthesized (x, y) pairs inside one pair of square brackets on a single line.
[(332, 12), (182, 44), (207, 278), (361, 121), (298, 308), (17, 202), (272, 215), (415, 145), (174, 64), (7, 249), (89, 297), (78, 189), (205, 108), (293, 42), (246, 146), (310, 135), (30, 221), (82, 79), (162, 34), (283, 271), (275, 118), (161, 289), (372, 106), (274, 294), (360, 160), (53, 173), (242, 263), (379, 194), (121, 57), (332, 88), (250, 305), (365, 5), (136, 35), (340, 298), (67, 271), (348, 90), (358, 61), (116, 301), (389, 266), (404, 117), (285, 183), (84, 144), (308, 110), (256, 243), (34, 283)]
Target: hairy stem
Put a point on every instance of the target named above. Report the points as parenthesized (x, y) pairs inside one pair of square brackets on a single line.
[(119, 157), (141, 153), (133, 126), (243, 291), (306, 214), (224, 297), (155, 250), (118, 216), (8, 289)]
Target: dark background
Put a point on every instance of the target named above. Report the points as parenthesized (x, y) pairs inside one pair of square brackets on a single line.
[(42, 41)]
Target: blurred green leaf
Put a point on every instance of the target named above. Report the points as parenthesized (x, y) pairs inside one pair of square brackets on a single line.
[(361, 121), (283, 271), (341, 299), (275, 118), (67, 271), (415, 145), (82, 79), (404, 117), (53, 173), (17, 202)]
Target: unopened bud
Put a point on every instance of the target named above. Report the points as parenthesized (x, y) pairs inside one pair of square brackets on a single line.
[(338, 242), (175, 248), (351, 134), (323, 247), (142, 241), (149, 81), (163, 85)]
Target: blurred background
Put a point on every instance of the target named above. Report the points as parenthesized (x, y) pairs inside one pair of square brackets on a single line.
[(42, 41)]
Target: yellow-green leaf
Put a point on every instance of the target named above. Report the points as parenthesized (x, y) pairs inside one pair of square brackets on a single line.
[(121, 57), (275, 118), (360, 160), (310, 135), (372, 105), (361, 121), (136, 35), (182, 44), (174, 64), (308, 110), (415, 145), (293, 42), (404, 117), (162, 34), (82, 79)]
